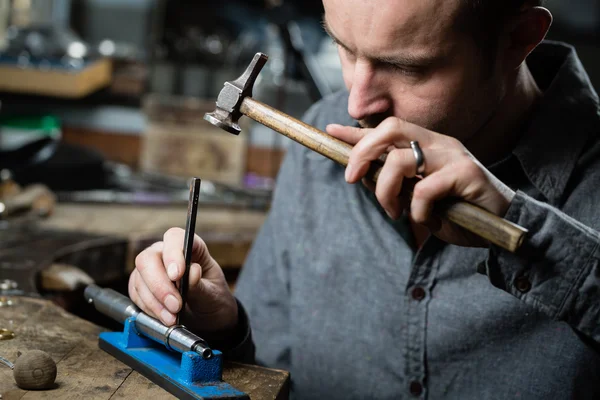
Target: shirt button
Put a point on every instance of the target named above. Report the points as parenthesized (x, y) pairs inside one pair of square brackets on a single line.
[(416, 389), (523, 285), (418, 293)]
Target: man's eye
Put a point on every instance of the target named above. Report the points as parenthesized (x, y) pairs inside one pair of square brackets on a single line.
[(408, 71)]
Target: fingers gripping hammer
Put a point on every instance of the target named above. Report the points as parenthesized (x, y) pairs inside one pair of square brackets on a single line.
[(235, 100)]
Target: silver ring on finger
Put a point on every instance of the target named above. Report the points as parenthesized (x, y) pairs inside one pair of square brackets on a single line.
[(419, 157)]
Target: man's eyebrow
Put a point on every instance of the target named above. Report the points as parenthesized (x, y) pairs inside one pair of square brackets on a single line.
[(332, 36), (410, 60), (404, 60)]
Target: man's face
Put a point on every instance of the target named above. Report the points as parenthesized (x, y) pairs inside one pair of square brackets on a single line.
[(405, 58)]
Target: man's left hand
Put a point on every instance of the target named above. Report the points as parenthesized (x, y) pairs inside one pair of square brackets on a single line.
[(450, 171)]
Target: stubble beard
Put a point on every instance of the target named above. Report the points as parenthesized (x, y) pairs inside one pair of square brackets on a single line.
[(441, 125), (461, 123)]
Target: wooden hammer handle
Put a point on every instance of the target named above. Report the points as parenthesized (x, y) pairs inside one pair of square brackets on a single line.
[(471, 217)]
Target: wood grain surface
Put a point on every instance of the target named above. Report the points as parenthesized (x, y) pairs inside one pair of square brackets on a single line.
[(86, 372)]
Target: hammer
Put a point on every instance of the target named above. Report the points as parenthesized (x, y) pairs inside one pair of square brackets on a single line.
[(235, 100)]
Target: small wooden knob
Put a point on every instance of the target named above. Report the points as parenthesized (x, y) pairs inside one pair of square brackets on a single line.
[(35, 369)]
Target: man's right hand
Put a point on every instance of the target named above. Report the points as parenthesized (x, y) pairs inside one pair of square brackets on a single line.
[(210, 308)]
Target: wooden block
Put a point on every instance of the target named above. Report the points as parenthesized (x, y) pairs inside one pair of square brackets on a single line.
[(179, 142), (126, 148), (264, 161), (257, 380), (58, 83)]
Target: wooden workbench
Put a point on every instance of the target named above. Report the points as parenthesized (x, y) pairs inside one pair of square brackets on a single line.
[(103, 241), (228, 232), (86, 372)]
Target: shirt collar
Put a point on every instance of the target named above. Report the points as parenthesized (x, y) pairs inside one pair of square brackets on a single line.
[(563, 121)]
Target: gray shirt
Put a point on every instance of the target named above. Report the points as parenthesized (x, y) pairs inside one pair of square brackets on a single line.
[(337, 295)]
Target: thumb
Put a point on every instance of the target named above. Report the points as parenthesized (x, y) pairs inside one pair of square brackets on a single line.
[(209, 267), (348, 134), (195, 277)]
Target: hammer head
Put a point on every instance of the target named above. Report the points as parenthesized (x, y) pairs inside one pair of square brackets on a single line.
[(230, 99)]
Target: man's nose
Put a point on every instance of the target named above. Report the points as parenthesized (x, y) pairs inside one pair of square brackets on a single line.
[(368, 93)]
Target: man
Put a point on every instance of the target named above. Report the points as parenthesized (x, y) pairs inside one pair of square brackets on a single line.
[(360, 304)]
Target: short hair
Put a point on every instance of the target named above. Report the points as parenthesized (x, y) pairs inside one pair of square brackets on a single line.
[(484, 20)]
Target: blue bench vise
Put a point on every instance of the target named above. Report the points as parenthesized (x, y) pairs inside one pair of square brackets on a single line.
[(172, 357)]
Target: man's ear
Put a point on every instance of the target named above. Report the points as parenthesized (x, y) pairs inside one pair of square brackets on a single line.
[(528, 29)]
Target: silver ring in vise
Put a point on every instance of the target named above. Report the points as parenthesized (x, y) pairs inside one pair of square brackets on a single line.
[(419, 157)]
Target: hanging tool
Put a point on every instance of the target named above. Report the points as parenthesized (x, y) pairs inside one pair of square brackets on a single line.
[(172, 357), (235, 100)]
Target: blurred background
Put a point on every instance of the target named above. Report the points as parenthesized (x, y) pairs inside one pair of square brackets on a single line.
[(139, 70), (101, 103), (142, 75)]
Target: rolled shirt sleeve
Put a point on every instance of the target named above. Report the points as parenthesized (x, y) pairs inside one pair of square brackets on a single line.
[(556, 270)]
